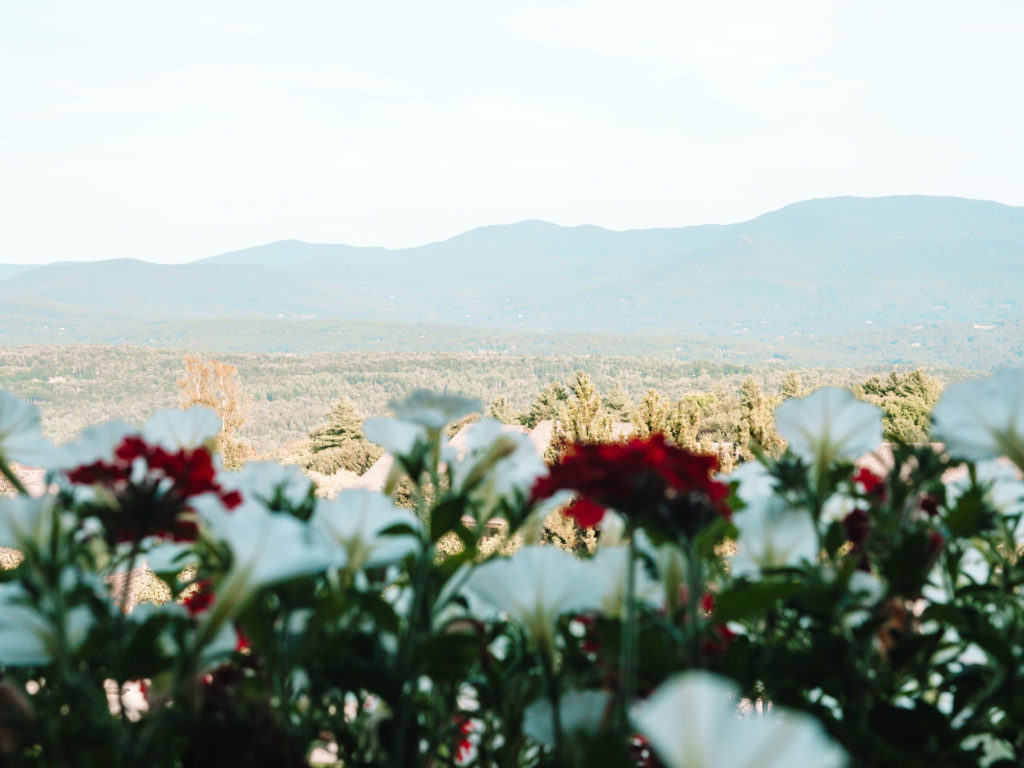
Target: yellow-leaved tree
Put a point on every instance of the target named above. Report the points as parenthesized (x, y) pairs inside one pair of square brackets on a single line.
[(214, 385)]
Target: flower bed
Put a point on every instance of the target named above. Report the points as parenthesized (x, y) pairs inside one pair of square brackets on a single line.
[(799, 612)]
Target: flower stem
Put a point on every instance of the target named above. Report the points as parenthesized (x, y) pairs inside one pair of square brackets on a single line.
[(13, 479), (627, 664), (551, 682)]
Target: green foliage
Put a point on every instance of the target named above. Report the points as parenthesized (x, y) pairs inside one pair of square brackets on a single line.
[(585, 419), (653, 417), (907, 399), (550, 404), (339, 443)]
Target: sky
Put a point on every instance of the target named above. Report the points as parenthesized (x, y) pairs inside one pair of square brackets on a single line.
[(171, 131)]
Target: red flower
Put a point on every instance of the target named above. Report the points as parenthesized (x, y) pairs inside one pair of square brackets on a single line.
[(936, 541), (857, 525), (929, 504), (154, 502), (637, 477), (707, 602), (719, 642), (201, 599), (872, 484), (242, 641)]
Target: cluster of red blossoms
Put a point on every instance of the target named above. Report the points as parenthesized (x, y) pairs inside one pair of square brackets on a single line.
[(635, 478), (155, 504)]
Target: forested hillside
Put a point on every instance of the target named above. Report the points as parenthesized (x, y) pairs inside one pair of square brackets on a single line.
[(75, 386)]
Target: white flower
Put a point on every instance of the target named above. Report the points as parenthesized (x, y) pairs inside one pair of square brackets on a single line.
[(399, 438), (264, 480), (829, 424), (353, 525), (27, 638), (498, 463), (580, 711), (433, 410), (753, 478), (607, 569), (983, 419), (173, 429), (21, 438), (672, 570), (534, 587), (266, 548), (96, 443), (866, 588), (837, 507), (772, 535), (1004, 488), (692, 721), (26, 522)]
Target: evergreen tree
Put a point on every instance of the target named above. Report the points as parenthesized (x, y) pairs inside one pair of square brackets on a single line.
[(585, 420), (907, 400), (684, 423), (757, 421), (792, 386), (653, 416), (339, 443), (617, 403), (550, 404), (500, 410)]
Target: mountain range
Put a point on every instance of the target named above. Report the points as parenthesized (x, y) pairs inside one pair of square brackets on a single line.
[(816, 270)]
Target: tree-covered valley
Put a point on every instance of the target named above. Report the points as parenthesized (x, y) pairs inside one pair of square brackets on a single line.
[(288, 397)]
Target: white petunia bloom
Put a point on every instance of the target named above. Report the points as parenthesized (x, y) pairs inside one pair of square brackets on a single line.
[(608, 570), (829, 424), (837, 507), (433, 410), (1005, 489), (26, 522), (263, 480), (266, 548), (983, 419), (21, 437), (174, 429), (498, 463), (533, 587), (399, 438), (27, 638), (580, 712), (754, 480), (353, 525), (772, 535), (693, 721)]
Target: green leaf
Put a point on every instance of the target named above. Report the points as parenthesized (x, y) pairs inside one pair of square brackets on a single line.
[(968, 517), (445, 516), (750, 599)]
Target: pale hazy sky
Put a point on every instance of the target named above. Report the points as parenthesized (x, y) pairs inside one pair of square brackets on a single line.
[(178, 129)]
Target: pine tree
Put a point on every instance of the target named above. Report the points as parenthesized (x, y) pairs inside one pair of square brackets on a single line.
[(339, 443), (500, 410), (344, 423), (585, 419), (757, 421), (907, 400), (550, 404), (792, 386), (653, 416), (684, 423), (617, 403)]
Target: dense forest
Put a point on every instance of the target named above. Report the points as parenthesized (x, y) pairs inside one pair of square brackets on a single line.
[(286, 399)]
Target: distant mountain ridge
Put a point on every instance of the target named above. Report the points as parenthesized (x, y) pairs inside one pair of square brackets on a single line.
[(817, 268)]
